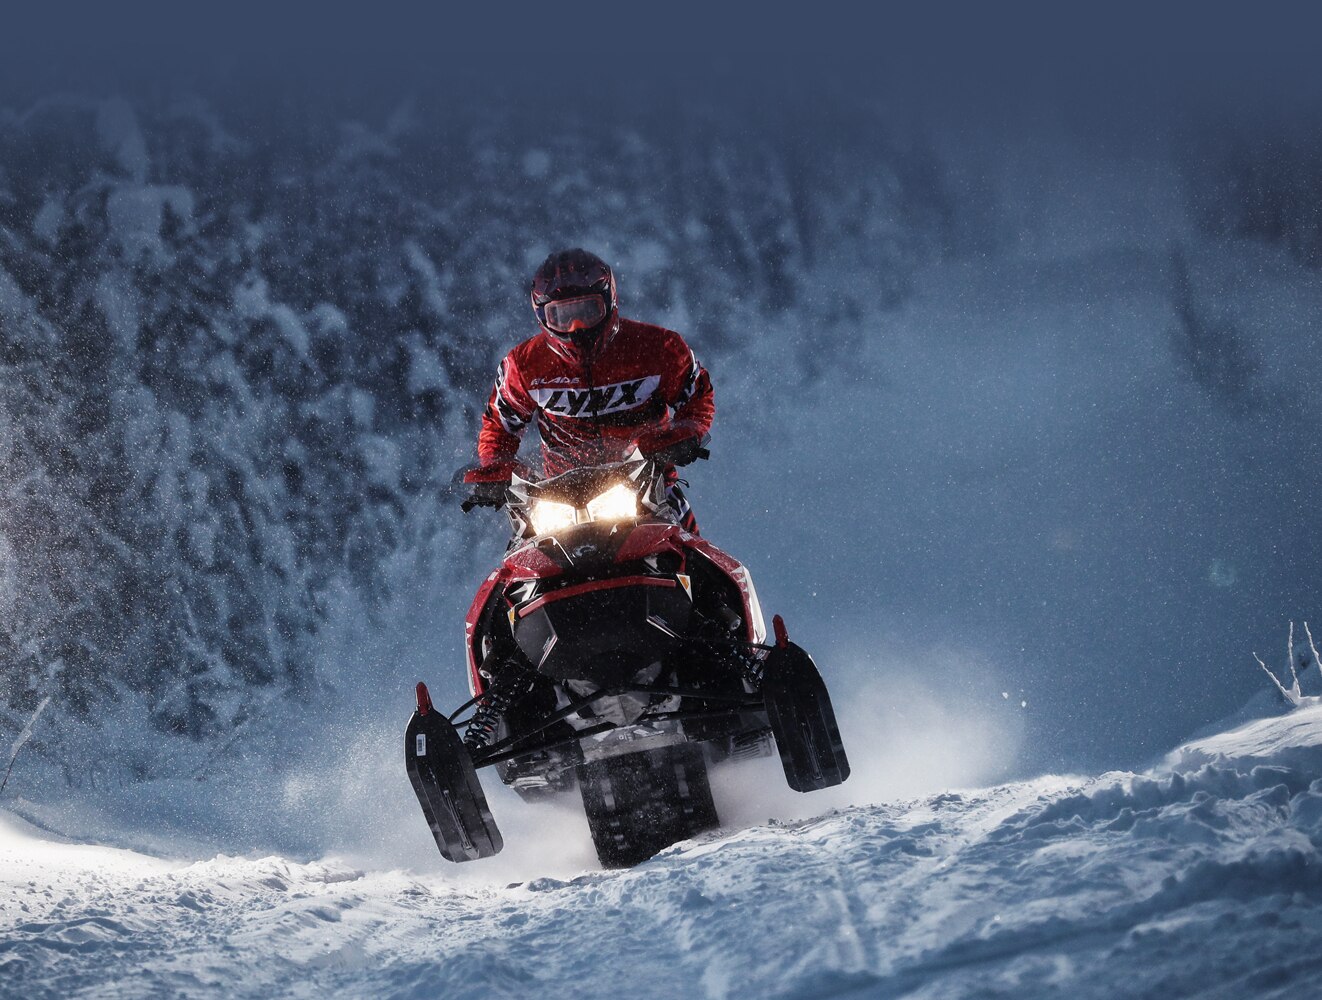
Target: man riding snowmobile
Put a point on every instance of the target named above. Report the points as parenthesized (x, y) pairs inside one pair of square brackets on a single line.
[(596, 384), (613, 650)]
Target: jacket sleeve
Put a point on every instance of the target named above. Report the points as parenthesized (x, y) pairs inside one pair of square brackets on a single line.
[(694, 402), (506, 417), (688, 392)]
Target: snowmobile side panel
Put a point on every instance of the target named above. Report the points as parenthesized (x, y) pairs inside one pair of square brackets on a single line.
[(802, 720), (754, 625), (442, 774), (493, 584)]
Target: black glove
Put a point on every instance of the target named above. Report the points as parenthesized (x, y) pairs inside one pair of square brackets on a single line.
[(486, 495), (682, 452)]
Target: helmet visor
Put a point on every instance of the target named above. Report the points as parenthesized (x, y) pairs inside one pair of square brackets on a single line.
[(572, 315)]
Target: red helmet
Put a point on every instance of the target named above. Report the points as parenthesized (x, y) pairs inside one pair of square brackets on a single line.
[(573, 295)]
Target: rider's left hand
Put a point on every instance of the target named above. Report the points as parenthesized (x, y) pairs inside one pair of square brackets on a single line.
[(678, 444), (681, 452)]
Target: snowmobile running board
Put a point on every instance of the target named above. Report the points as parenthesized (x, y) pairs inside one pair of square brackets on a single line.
[(447, 786)]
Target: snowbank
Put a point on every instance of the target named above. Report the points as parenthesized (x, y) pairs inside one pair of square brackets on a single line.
[(1199, 876)]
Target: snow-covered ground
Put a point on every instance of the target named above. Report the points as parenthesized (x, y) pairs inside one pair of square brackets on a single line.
[(1199, 877)]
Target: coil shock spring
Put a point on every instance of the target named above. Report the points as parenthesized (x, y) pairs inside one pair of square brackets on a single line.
[(751, 667), (509, 681), (721, 629)]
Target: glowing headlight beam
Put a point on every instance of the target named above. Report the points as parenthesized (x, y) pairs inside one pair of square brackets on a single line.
[(548, 516), (616, 504)]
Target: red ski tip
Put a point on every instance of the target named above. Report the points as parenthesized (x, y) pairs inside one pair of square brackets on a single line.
[(424, 699), (782, 637)]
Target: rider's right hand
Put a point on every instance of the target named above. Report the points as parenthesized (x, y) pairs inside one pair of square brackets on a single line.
[(486, 495), (485, 483)]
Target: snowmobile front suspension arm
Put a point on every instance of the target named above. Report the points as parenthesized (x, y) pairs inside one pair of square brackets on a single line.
[(505, 749), (682, 692), (499, 756)]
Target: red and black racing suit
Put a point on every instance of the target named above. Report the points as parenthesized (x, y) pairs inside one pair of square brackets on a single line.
[(590, 408)]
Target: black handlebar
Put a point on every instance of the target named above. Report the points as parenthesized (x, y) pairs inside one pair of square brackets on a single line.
[(493, 494)]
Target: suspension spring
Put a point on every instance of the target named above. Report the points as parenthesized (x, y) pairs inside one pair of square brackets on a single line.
[(750, 666), (507, 685)]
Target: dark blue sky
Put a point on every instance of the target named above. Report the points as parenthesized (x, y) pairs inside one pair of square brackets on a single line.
[(944, 51)]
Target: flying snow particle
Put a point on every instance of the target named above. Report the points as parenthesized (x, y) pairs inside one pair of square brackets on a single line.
[(536, 164), (1221, 574)]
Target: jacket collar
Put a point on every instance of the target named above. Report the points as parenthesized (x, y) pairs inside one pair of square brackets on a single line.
[(573, 353)]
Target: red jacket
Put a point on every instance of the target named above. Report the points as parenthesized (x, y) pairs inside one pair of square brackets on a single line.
[(590, 410)]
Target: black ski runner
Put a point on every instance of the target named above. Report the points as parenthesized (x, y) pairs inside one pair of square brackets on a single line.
[(447, 786), (801, 717)]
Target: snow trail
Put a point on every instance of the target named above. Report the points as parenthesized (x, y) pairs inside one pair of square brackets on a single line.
[(1202, 874)]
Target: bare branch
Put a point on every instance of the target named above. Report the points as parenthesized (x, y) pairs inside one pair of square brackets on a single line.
[(23, 737), (1284, 693), (1289, 655), (1313, 649)]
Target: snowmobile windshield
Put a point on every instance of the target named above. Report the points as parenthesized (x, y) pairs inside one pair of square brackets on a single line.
[(591, 494), (573, 315), (579, 486)]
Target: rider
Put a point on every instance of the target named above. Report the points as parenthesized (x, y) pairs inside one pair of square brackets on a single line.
[(596, 383)]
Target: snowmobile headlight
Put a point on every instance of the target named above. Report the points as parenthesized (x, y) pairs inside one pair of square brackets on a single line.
[(548, 516), (616, 504)]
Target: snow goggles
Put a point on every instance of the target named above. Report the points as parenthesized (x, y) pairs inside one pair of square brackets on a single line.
[(572, 315)]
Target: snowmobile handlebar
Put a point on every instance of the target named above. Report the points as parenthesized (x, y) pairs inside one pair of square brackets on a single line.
[(485, 486)]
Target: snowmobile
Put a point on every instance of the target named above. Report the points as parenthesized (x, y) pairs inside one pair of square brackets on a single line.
[(614, 651)]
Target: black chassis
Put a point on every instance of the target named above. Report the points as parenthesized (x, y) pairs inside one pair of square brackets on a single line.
[(714, 677), (694, 637)]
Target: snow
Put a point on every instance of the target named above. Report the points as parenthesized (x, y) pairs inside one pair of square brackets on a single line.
[(25, 733), (1200, 875), (117, 128), (135, 215), (536, 163), (1293, 736), (47, 222)]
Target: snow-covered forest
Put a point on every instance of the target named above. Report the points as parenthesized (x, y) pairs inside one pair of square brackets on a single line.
[(238, 367)]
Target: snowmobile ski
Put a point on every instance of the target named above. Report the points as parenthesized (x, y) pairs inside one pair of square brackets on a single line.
[(801, 717), (447, 786)]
